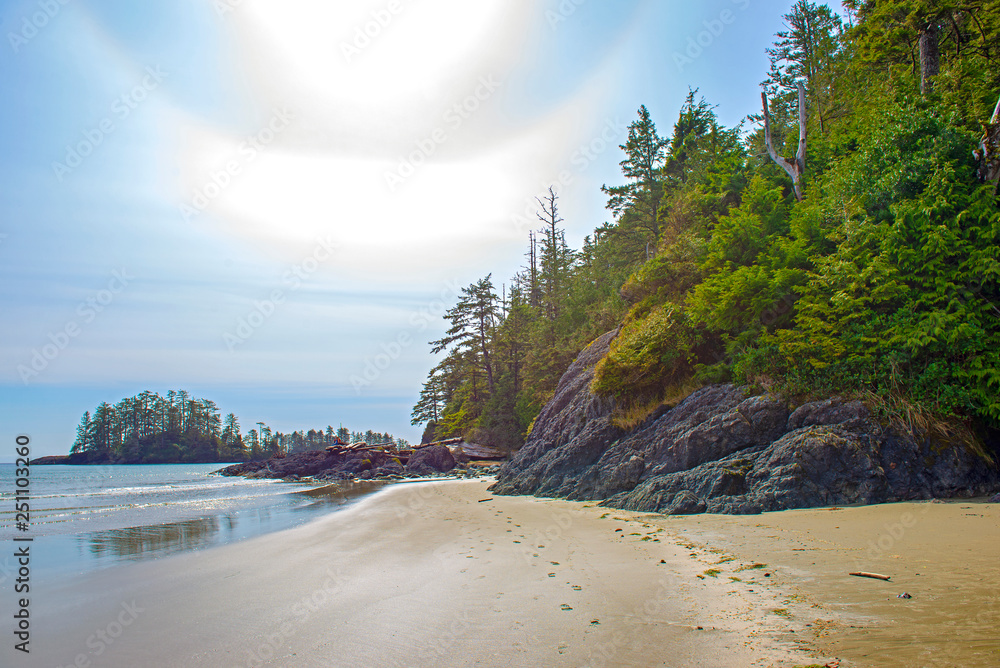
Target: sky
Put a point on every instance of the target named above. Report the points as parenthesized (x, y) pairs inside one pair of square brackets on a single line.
[(271, 203)]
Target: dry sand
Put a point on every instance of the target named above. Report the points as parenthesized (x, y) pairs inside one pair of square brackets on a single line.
[(425, 574)]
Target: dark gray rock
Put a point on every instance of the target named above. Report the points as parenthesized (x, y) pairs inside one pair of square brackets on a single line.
[(685, 503), (393, 468), (318, 464), (570, 435), (828, 411), (725, 450), (431, 459), (816, 466)]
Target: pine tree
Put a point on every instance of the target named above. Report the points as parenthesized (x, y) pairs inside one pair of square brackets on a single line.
[(473, 321), (556, 257), (638, 201), (432, 400), (807, 51), (83, 442)]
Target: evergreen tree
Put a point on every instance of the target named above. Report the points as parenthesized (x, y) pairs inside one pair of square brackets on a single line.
[(807, 51), (638, 201), (472, 321), (556, 258), (83, 442)]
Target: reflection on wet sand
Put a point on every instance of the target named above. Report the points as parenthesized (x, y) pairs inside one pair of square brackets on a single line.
[(156, 540), (343, 492), (159, 540)]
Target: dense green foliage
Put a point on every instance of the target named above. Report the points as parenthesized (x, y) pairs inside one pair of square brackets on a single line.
[(150, 429), (882, 282)]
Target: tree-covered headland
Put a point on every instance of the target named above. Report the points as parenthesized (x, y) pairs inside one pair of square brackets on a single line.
[(152, 429), (856, 257)]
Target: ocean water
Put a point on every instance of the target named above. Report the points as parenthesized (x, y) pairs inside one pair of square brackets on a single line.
[(88, 517)]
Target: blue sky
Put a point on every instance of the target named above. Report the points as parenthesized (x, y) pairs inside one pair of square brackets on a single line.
[(270, 203)]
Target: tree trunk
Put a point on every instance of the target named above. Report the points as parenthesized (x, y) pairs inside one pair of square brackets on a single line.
[(987, 154), (794, 167), (930, 57)]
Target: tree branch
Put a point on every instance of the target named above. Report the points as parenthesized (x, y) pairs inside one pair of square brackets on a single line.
[(797, 167)]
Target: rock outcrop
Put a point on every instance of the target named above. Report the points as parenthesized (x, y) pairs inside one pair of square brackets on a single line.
[(432, 459), (726, 450), (50, 460), (363, 465)]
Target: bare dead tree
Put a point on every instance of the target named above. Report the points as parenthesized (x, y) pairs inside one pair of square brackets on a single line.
[(795, 167), (930, 57), (988, 152)]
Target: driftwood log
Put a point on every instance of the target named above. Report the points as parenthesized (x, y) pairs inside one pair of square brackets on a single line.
[(447, 441), (796, 166), (864, 574)]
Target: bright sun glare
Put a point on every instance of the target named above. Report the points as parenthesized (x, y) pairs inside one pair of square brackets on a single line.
[(360, 83)]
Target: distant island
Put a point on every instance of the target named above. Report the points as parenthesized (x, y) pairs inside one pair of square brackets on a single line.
[(150, 429)]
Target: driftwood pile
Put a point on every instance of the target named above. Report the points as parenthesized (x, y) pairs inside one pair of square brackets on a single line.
[(458, 446), (389, 448)]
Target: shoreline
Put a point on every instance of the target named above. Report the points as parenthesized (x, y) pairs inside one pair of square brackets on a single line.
[(427, 574), (443, 573)]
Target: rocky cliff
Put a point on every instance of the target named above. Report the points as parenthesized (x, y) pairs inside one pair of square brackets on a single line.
[(726, 450)]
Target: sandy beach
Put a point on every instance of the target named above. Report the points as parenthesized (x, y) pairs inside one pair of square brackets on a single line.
[(445, 574), (943, 554)]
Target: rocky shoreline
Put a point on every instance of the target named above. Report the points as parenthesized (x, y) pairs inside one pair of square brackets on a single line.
[(326, 466), (724, 449)]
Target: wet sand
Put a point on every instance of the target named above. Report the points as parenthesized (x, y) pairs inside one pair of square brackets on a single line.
[(445, 574), (421, 574), (946, 556)]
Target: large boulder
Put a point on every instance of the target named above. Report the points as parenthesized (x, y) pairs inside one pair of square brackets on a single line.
[(431, 459), (726, 449)]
